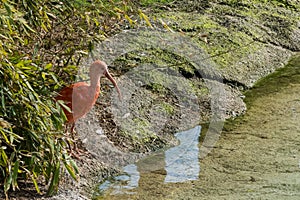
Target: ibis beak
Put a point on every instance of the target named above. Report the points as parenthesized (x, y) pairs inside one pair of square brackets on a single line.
[(107, 74)]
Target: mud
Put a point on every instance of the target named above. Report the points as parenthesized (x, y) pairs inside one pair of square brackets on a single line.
[(256, 157)]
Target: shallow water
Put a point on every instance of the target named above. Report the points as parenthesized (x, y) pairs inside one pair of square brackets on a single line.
[(177, 164)]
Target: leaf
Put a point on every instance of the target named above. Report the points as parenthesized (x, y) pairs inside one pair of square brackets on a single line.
[(8, 8), (7, 22), (7, 183), (166, 26), (17, 77), (3, 99), (44, 76), (15, 175), (23, 21), (118, 10), (54, 77), (143, 16), (131, 22), (4, 37), (62, 103), (4, 135), (4, 157), (47, 173), (51, 15), (83, 52), (44, 27), (73, 163), (96, 22), (52, 146), (54, 181), (28, 84), (71, 170), (88, 19), (48, 66), (35, 184)]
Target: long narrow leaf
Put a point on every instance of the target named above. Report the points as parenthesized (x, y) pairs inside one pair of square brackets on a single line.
[(54, 181), (70, 169), (35, 184), (15, 175), (145, 17)]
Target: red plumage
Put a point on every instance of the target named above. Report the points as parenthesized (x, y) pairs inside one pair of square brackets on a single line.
[(80, 97)]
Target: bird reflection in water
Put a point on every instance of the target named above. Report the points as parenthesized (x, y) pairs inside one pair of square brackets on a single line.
[(177, 164)]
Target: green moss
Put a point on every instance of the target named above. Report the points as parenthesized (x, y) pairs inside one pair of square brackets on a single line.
[(152, 2), (200, 88), (276, 81), (234, 28), (231, 32), (158, 88), (139, 122), (137, 136), (225, 44), (168, 108)]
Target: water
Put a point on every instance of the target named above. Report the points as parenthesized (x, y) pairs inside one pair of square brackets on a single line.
[(177, 164), (257, 156)]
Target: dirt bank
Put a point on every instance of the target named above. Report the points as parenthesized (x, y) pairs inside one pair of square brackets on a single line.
[(256, 157), (246, 42)]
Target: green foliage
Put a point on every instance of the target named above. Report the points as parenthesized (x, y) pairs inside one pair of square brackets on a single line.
[(41, 43), (31, 140), (57, 32)]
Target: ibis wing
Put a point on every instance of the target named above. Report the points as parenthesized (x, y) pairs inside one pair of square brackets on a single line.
[(76, 98)]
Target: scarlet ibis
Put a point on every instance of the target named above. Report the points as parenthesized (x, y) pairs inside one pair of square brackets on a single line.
[(80, 97)]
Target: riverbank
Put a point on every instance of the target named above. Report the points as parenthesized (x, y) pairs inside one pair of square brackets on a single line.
[(244, 45), (256, 157)]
